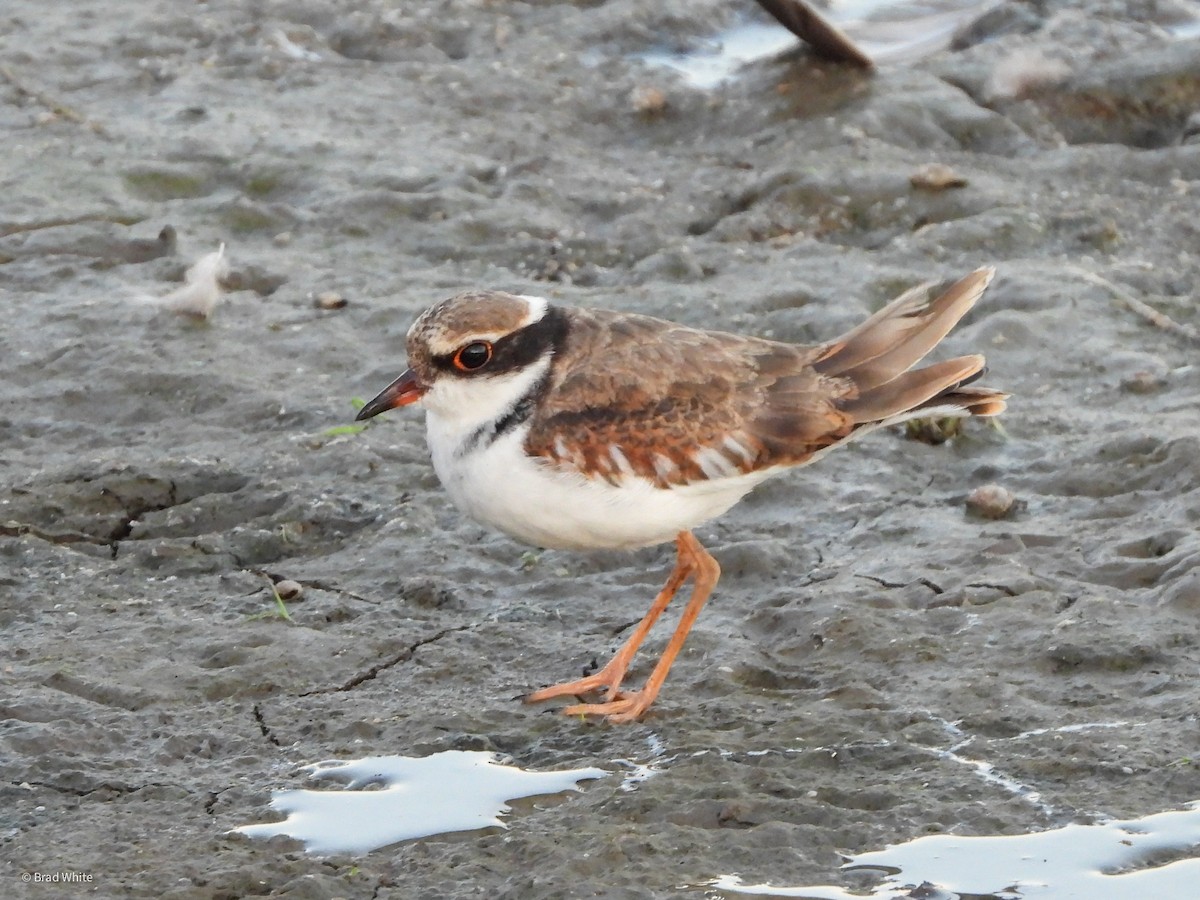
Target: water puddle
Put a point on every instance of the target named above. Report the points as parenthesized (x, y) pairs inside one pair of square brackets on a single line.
[(1185, 31), (886, 30), (989, 773), (639, 772), (900, 31), (723, 54), (397, 798), (1113, 861)]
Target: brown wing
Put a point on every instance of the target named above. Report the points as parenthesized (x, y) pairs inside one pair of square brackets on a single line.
[(636, 395), (674, 405)]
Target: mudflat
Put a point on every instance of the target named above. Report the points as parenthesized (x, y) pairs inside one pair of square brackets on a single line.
[(874, 640)]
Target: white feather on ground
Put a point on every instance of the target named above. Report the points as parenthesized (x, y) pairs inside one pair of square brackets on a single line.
[(201, 292), (1023, 72)]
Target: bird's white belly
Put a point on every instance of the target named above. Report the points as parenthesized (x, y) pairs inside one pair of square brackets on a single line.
[(547, 506)]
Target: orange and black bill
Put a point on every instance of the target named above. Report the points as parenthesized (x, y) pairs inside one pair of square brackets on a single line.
[(404, 390)]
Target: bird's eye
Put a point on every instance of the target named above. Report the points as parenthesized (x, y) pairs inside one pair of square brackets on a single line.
[(472, 356)]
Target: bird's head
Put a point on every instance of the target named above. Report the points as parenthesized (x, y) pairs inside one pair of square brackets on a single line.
[(474, 356)]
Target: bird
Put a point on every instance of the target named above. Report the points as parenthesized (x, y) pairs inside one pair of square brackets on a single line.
[(585, 429)]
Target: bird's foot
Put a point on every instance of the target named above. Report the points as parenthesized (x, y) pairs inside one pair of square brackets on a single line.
[(625, 708), (607, 679)]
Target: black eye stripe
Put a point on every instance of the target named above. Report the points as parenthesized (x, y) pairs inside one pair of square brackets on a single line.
[(516, 350)]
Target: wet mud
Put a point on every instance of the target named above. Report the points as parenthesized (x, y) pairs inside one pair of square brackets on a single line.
[(873, 638)]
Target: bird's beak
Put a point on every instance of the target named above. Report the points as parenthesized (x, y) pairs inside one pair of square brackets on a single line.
[(404, 390)]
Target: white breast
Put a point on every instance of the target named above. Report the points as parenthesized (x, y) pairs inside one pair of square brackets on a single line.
[(533, 501)]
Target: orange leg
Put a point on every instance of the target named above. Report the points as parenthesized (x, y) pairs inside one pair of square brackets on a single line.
[(691, 560), (614, 672)]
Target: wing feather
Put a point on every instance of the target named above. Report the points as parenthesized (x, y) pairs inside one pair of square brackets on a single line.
[(680, 405), (636, 396)]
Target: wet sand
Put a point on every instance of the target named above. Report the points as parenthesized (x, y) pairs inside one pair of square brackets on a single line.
[(158, 473)]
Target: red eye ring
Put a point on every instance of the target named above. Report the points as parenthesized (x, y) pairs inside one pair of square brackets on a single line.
[(473, 356)]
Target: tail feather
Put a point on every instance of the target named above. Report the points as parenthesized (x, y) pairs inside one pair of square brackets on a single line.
[(890, 342), (912, 390), (865, 381), (974, 401), (878, 356)]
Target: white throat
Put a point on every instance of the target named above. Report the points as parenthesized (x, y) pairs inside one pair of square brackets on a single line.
[(457, 410)]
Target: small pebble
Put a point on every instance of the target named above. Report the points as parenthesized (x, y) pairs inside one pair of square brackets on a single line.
[(1143, 382), (288, 589), (936, 177), (991, 501), (648, 100), (330, 300)]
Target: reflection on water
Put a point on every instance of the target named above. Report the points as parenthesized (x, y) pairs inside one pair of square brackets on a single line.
[(1114, 861), (905, 31), (888, 31), (416, 797), (725, 53)]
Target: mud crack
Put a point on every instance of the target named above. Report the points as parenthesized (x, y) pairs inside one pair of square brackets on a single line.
[(936, 588), (134, 511), (106, 787), (17, 529), (1002, 588), (315, 584), (214, 797), (403, 656), (264, 728)]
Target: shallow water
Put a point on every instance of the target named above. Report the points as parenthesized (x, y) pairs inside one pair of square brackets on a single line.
[(886, 31), (457, 790), (161, 476), (1113, 861)]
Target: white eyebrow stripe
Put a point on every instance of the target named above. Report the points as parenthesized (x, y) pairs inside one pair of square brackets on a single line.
[(537, 309)]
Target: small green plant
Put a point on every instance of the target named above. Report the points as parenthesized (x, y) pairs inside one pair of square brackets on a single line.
[(939, 429), (338, 430), (280, 609), (933, 429), (290, 532)]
